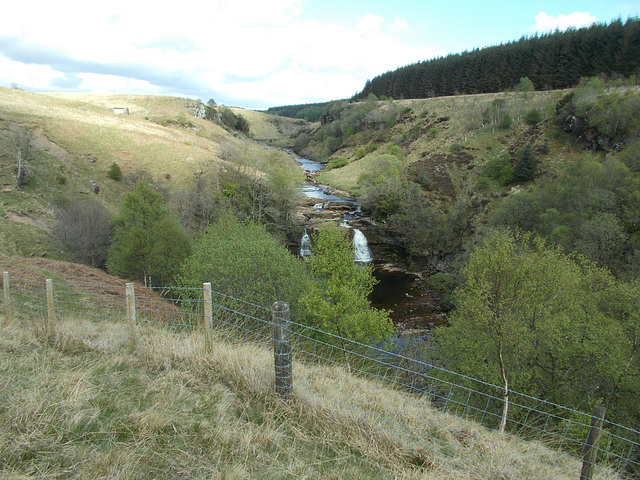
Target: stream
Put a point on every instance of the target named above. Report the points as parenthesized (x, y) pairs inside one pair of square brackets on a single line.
[(397, 290)]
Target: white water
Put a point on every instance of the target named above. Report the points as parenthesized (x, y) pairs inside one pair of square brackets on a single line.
[(305, 245), (362, 253)]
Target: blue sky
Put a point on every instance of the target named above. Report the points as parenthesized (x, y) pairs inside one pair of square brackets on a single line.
[(258, 53)]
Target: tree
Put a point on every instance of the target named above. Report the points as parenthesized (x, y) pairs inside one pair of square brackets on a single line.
[(525, 85), (149, 244), (242, 260), (336, 300), (601, 239), (85, 230), (526, 318), (18, 146), (526, 164), (383, 188)]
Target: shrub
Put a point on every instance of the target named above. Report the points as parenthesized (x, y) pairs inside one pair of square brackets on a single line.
[(114, 172), (424, 180), (505, 123), (499, 169), (456, 148), (396, 151), (337, 163), (483, 183), (533, 117), (433, 132), (360, 153)]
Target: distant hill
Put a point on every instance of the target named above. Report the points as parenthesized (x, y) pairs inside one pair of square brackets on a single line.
[(307, 111), (551, 61)]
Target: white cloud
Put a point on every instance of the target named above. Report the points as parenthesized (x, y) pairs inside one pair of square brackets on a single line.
[(247, 50), (545, 22), (400, 25)]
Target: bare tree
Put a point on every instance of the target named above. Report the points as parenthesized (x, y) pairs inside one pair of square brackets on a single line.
[(17, 145), (85, 229)]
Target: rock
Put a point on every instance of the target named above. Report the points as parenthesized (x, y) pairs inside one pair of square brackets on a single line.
[(95, 187)]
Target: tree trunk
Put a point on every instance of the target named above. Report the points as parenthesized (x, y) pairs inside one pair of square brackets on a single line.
[(505, 394)]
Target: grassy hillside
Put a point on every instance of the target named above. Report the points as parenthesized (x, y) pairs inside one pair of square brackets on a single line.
[(445, 137), (76, 138), (83, 407)]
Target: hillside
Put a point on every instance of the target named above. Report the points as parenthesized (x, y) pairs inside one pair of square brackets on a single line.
[(83, 406), (552, 61), (434, 177), (76, 138)]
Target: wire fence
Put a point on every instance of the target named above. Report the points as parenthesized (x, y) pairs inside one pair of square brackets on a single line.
[(115, 317)]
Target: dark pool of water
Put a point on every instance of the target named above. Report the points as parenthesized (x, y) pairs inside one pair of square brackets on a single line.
[(400, 292)]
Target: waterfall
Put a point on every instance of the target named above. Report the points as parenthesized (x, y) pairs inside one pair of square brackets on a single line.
[(361, 254), (305, 245)]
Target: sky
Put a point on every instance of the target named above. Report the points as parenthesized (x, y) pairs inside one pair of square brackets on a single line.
[(259, 53)]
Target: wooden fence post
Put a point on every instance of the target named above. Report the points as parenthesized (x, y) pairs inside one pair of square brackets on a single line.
[(593, 441), (6, 297), (131, 314), (208, 318), (282, 349), (50, 329)]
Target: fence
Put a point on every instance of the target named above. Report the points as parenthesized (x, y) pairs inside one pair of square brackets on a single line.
[(128, 313)]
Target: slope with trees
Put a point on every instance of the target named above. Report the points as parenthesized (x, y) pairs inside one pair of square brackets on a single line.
[(551, 61)]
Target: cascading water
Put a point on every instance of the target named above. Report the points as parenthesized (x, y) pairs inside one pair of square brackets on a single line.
[(305, 245), (362, 253)]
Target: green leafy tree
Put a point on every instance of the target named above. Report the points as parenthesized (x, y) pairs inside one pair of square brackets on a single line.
[(527, 318), (149, 244), (244, 261), (336, 300), (383, 189)]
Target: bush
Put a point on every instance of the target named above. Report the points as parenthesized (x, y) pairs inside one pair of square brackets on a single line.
[(483, 183), (533, 117), (499, 169), (456, 148), (114, 172), (424, 180), (505, 123), (337, 163), (360, 153)]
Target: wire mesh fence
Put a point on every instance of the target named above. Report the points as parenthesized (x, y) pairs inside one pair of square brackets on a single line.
[(411, 398)]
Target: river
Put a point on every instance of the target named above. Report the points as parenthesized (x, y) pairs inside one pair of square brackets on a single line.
[(399, 291)]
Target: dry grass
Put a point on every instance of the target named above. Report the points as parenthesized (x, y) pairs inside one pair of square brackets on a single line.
[(159, 135), (83, 407)]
